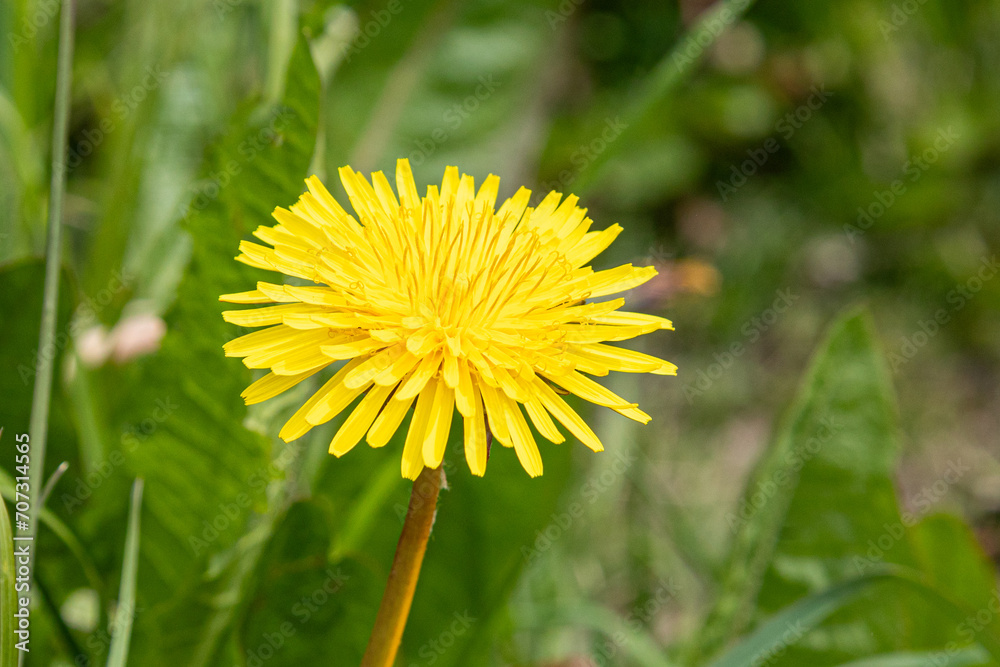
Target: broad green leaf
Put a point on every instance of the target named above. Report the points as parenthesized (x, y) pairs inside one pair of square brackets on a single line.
[(949, 555), (821, 509), (302, 604), (205, 471)]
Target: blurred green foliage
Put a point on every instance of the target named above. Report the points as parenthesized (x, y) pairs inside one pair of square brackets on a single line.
[(815, 155)]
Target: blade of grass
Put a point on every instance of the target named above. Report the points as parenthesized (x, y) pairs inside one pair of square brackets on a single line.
[(64, 638), (49, 519), (792, 623), (7, 658), (665, 78), (798, 619), (399, 86), (125, 611), (967, 657), (39, 420)]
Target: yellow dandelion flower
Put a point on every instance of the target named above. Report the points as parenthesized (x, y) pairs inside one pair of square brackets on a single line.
[(443, 301)]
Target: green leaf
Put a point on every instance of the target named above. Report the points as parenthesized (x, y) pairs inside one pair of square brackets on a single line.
[(205, 471), (821, 509), (784, 629), (301, 604), (959, 658), (125, 612), (821, 491), (950, 556)]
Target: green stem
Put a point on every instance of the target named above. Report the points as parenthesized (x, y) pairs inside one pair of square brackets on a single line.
[(395, 608), (668, 74), (38, 423)]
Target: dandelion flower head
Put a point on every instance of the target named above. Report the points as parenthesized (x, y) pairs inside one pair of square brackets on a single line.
[(443, 301)]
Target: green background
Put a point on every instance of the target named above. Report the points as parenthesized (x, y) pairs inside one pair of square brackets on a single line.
[(818, 184)]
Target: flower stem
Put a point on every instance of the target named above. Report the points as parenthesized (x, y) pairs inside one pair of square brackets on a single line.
[(398, 596)]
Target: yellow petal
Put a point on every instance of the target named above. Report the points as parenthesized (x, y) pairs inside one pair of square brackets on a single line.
[(352, 349), (370, 369), (524, 442), (259, 317), (419, 378), (297, 425), (619, 279), (586, 388), (260, 340), (622, 317), (405, 186), (495, 413), (355, 426), (599, 333), (253, 296), (465, 391), (475, 435), (300, 361), (450, 371), (413, 456), (271, 385), (567, 416), (592, 245), (628, 361), (388, 422), (542, 421), (392, 375), (439, 423)]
